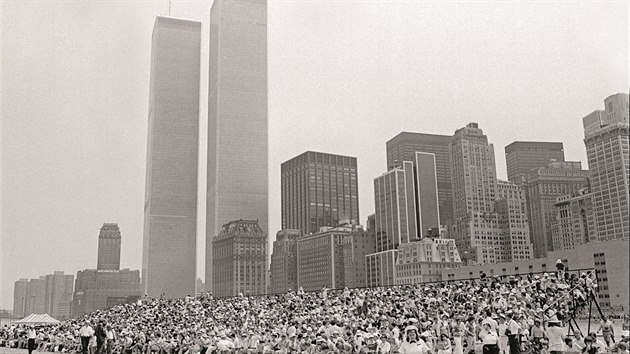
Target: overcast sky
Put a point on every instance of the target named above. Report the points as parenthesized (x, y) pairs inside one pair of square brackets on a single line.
[(344, 77)]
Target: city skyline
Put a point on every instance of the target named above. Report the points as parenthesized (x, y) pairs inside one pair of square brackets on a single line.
[(47, 138)]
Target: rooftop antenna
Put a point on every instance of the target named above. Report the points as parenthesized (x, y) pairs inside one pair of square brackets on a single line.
[(169, 7)]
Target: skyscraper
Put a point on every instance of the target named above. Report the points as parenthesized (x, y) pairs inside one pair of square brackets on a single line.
[(240, 258), (606, 140), (403, 147), (318, 189), (523, 156), (427, 200), (542, 187), (237, 176), (51, 294), (396, 213), (19, 298), (512, 222), (170, 209), (490, 219), (474, 193), (109, 247)]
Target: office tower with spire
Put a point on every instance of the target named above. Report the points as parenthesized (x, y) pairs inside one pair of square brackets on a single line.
[(237, 178), (606, 139), (170, 208), (485, 210), (109, 247), (318, 189)]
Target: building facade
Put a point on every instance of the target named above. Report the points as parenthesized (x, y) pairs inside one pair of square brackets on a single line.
[(237, 178), (355, 248), (36, 296), (170, 209), (380, 268), (523, 156), (474, 195), (542, 188), (513, 226), (423, 260), (318, 189), (396, 213), (575, 221), (606, 139), (240, 259), (427, 201), (284, 262), (95, 289), (320, 258), (109, 247), (51, 294), (609, 259), (403, 147), (19, 298)]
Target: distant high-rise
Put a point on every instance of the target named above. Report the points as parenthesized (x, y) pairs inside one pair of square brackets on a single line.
[(474, 193), (606, 139), (237, 179), (396, 213), (170, 208), (97, 289), (512, 225), (51, 294), (320, 258), (523, 156), (109, 247), (403, 147), (19, 298), (490, 216), (574, 222), (284, 262), (542, 187), (318, 189), (240, 258)]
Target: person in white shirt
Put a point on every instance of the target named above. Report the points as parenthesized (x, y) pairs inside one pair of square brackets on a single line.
[(555, 333), (503, 338), (412, 343), (86, 332), (489, 338), (224, 345), (110, 336), (31, 334), (514, 331)]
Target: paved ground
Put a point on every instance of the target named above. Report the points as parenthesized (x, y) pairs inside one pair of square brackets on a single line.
[(12, 351)]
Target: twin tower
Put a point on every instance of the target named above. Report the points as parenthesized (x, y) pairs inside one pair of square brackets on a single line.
[(237, 164)]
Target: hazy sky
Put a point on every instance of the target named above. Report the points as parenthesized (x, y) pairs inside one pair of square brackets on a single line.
[(344, 77)]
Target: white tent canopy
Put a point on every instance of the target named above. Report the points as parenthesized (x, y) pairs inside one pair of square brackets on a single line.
[(37, 319)]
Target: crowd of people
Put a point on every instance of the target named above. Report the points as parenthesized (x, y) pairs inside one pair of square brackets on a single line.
[(491, 315)]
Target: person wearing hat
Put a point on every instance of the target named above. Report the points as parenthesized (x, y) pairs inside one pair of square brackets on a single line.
[(555, 334), (412, 343), (86, 332), (606, 327)]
